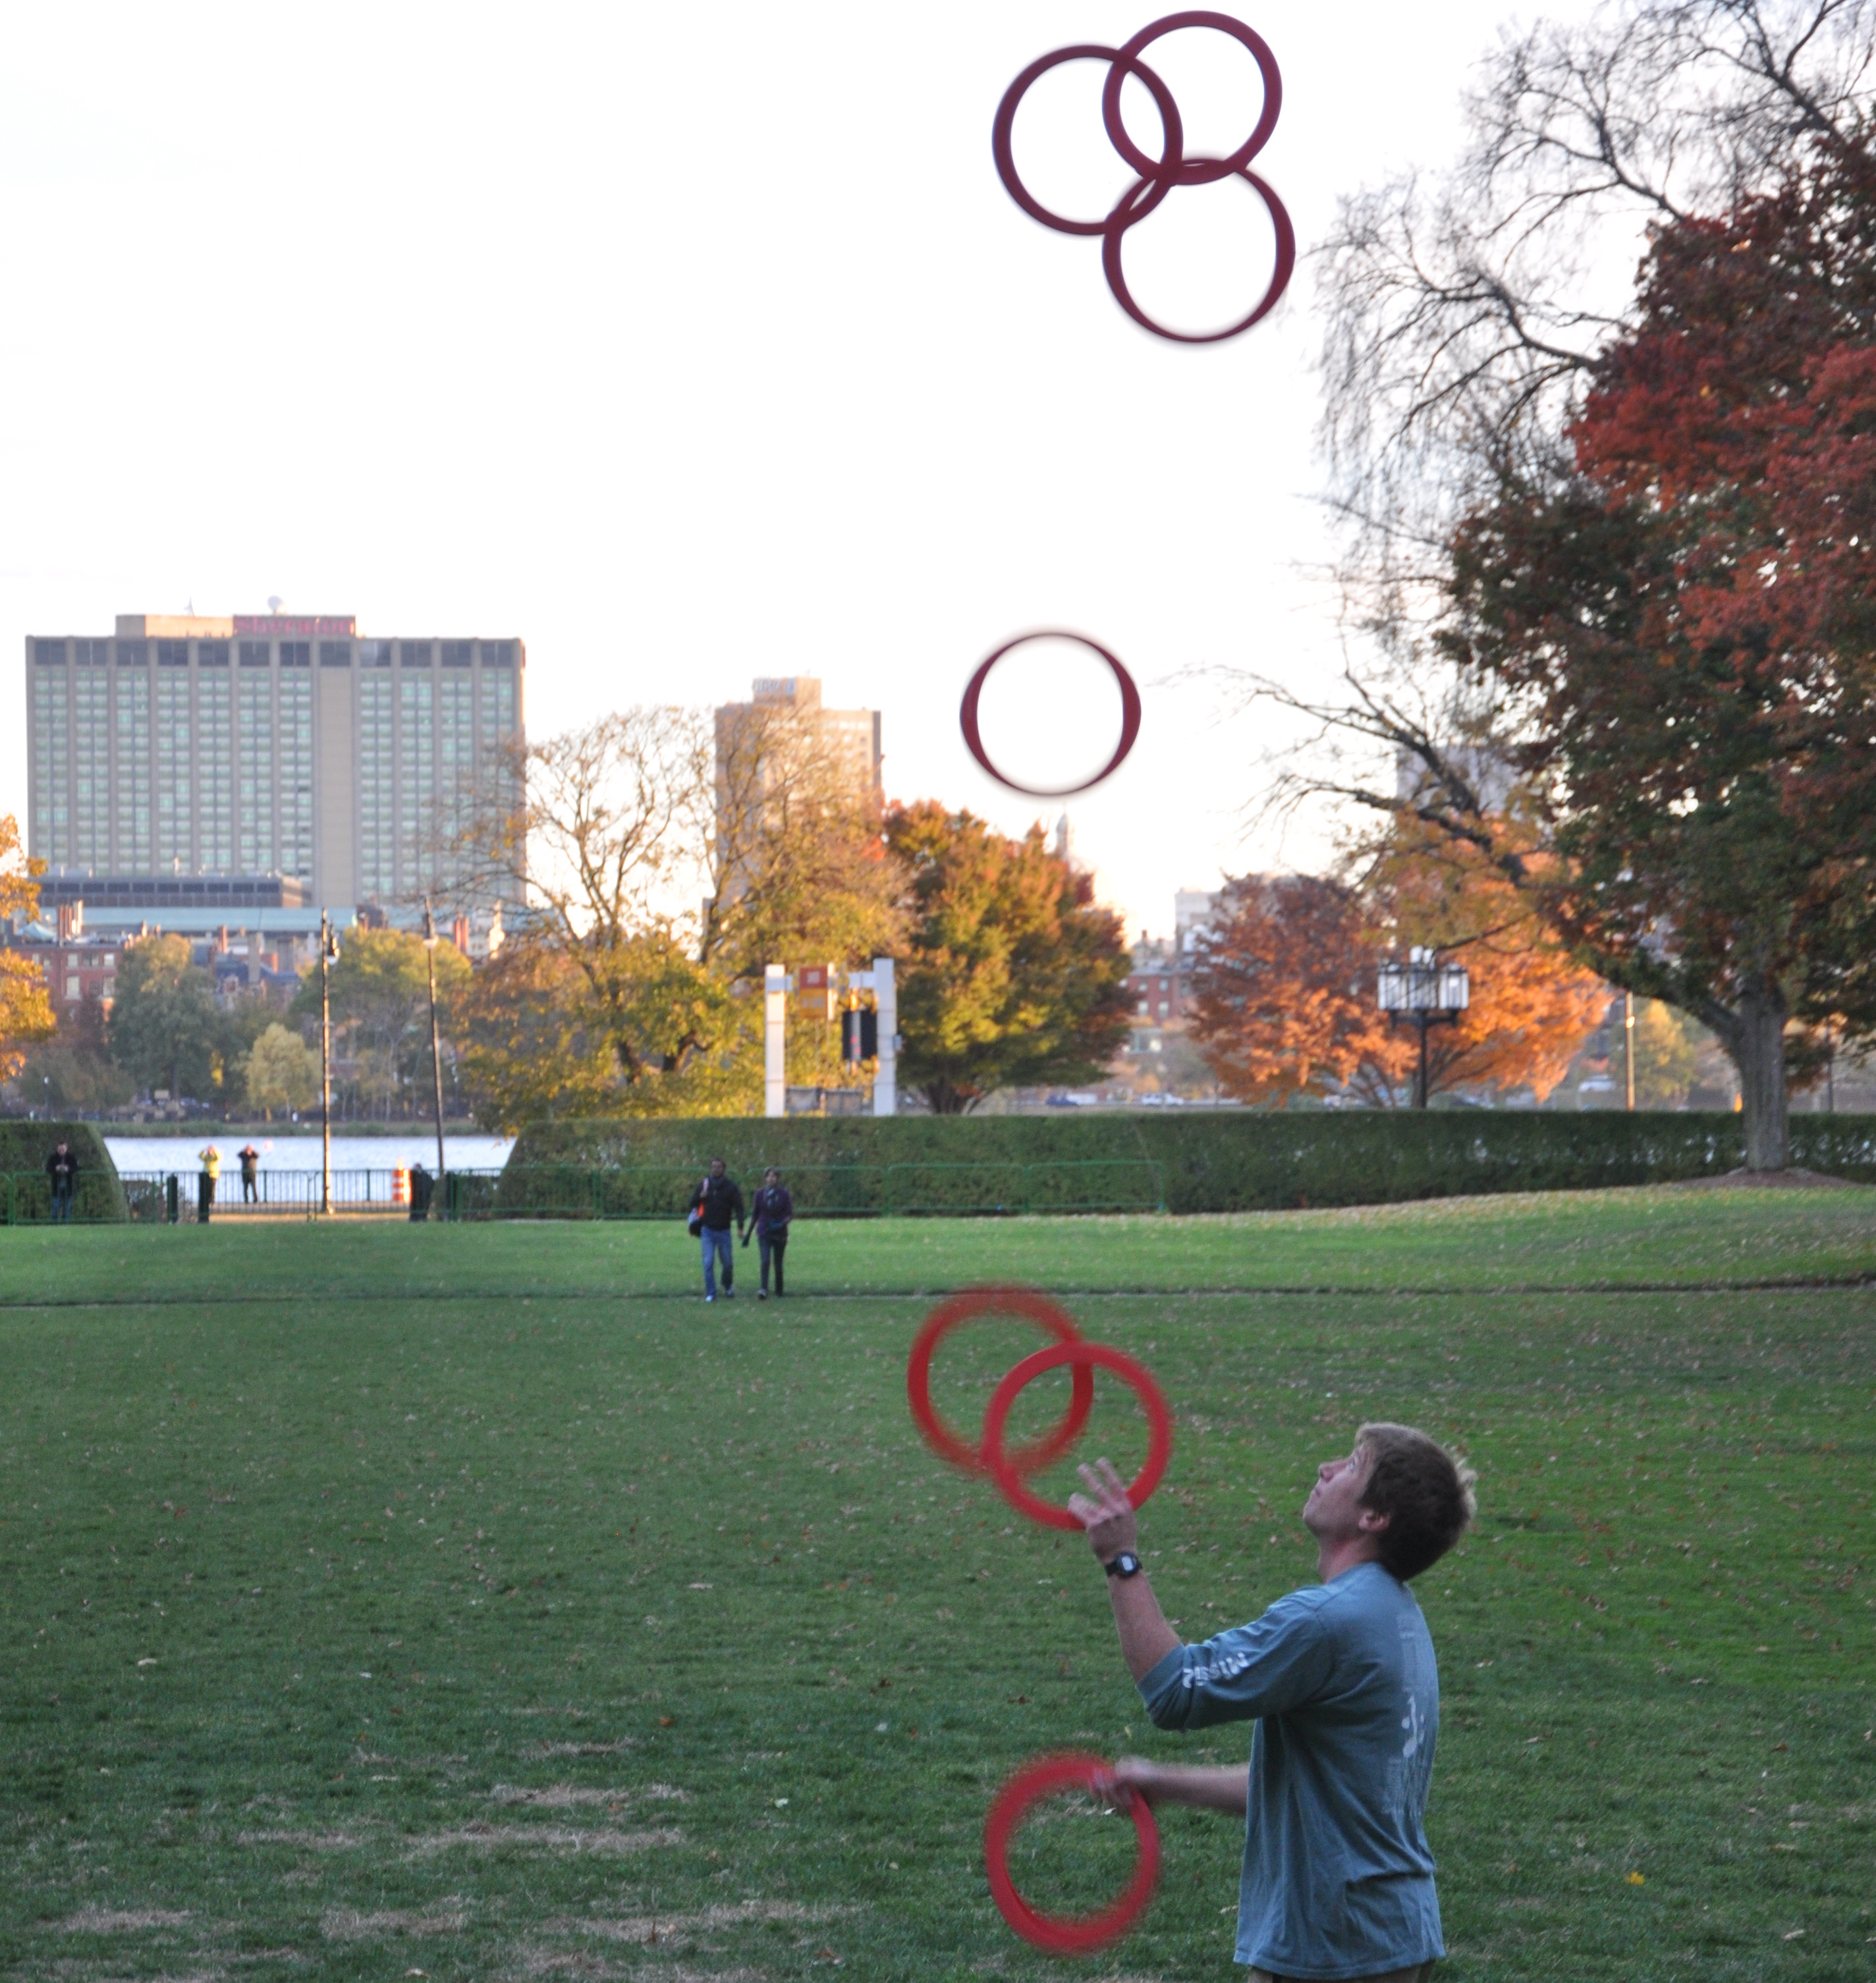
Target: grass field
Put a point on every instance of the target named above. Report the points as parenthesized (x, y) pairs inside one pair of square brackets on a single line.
[(475, 1603)]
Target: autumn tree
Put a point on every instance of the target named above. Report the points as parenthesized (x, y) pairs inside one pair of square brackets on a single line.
[(1619, 543), (1012, 974), (1283, 1001), (26, 1013), (280, 1070)]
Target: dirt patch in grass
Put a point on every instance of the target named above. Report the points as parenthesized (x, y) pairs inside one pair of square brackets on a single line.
[(304, 1841), (617, 1748), (648, 1930), (569, 1796), (122, 1920), (348, 1925), (545, 1838)]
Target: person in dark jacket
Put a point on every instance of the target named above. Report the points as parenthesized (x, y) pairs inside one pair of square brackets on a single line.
[(718, 1208), (250, 1174), (768, 1220), (63, 1167), (423, 1189)]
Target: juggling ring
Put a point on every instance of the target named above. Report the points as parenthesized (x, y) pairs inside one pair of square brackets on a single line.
[(1077, 1934), (1129, 715), (1003, 1467), (966, 1307)]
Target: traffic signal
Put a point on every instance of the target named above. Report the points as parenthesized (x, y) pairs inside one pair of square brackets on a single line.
[(860, 1035)]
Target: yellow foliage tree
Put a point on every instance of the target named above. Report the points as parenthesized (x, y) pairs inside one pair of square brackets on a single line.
[(26, 1014)]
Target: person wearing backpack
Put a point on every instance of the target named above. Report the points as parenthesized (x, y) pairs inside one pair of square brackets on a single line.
[(716, 1209), (769, 1219)]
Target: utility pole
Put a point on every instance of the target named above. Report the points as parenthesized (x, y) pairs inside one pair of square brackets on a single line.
[(329, 949), (1628, 1046), (436, 1049)]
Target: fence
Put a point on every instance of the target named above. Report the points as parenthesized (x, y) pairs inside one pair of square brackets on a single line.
[(156, 1197)]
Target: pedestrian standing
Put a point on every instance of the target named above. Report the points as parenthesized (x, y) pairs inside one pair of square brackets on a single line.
[(250, 1174), (768, 1220), (422, 1186), (716, 1209), (210, 1159), (63, 1167)]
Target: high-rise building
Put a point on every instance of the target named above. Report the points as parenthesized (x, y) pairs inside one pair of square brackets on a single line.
[(270, 745)]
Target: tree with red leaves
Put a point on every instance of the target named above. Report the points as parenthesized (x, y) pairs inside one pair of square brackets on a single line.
[(1637, 529)]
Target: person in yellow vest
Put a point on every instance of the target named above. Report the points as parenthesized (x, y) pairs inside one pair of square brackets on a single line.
[(211, 1160)]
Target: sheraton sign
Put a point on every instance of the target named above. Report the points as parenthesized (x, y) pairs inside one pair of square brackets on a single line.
[(280, 625)]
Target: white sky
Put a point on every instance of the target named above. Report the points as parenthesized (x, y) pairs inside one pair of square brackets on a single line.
[(690, 344)]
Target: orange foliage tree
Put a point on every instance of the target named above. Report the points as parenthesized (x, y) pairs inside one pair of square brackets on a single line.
[(26, 1012), (1284, 993)]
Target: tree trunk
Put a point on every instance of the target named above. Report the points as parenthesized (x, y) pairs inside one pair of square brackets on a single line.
[(1756, 1042)]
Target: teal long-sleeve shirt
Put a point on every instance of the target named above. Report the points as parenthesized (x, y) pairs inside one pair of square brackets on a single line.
[(1341, 1679)]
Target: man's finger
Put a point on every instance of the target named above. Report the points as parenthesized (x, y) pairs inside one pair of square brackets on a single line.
[(1086, 1512)]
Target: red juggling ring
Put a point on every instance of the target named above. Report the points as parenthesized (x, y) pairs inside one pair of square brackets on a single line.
[(1003, 1467), (1129, 714), (1158, 177), (1031, 1307), (1049, 1776)]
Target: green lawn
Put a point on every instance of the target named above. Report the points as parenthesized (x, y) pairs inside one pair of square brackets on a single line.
[(461, 1601)]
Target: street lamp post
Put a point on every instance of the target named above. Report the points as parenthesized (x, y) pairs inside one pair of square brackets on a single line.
[(1424, 992), (1628, 1048), (329, 951), (435, 1049)]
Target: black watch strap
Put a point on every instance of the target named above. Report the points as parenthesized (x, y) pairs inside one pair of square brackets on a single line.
[(1125, 1564)]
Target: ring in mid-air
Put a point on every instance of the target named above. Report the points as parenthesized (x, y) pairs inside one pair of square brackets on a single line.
[(1129, 715), (1160, 176)]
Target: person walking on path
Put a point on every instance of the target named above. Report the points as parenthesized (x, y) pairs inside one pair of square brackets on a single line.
[(211, 1160), (63, 1167), (716, 1208), (768, 1219), (250, 1174), (1340, 1678)]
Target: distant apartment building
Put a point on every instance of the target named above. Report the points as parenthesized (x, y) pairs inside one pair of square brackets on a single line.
[(198, 771)]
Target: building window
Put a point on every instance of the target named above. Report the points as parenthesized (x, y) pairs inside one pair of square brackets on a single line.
[(133, 653), (296, 782), (215, 820), (133, 769), (1163, 1008), (175, 764), (416, 823), (1142, 1006), (173, 653), (254, 654), (91, 785), (376, 792), (374, 654), (92, 653), (296, 654), (49, 653), (254, 734), (458, 653), (211, 654), (335, 653), (51, 763), (416, 653), (498, 653)]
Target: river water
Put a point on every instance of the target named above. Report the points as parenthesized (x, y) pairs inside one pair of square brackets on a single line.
[(292, 1153)]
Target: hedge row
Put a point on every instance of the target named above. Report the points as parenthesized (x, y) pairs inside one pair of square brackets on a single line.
[(1238, 1162), (25, 1190)]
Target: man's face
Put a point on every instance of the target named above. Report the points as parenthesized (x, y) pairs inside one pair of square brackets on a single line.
[(716, 1167), (1334, 1508), (61, 1149)]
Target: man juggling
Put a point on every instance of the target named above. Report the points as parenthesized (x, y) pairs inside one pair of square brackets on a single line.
[(1340, 1678)]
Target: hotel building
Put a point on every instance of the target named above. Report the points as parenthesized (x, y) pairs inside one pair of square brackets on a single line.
[(249, 771)]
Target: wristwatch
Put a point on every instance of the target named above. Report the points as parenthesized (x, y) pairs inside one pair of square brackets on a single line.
[(1125, 1564)]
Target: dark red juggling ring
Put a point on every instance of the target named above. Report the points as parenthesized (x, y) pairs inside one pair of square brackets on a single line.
[(1082, 1356), (1129, 714), (967, 1307), (1049, 1776), (1158, 177)]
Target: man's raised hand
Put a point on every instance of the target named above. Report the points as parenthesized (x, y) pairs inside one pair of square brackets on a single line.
[(1104, 1511)]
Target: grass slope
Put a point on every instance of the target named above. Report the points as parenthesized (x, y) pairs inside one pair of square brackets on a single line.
[(366, 1612)]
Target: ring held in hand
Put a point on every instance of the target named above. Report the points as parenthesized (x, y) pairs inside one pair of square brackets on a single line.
[(1003, 1467), (1049, 1776)]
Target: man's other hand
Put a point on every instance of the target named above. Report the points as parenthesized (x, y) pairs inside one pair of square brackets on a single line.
[(1106, 1512)]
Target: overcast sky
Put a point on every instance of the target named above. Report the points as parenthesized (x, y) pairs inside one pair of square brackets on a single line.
[(691, 344)]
